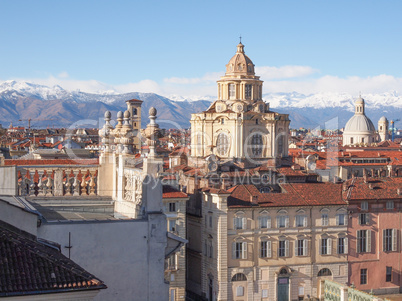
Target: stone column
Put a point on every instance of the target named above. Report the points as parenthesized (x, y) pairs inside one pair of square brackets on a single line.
[(58, 183)]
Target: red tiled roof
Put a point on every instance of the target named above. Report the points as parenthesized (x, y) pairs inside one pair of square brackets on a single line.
[(134, 100), (180, 151), (373, 189), (29, 267), (293, 194), (9, 162), (170, 192), (176, 168)]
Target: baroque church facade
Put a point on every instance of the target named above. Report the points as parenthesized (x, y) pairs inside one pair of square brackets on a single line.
[(239, 125)]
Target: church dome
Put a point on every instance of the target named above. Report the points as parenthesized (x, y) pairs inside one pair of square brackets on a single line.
[(240, 63), (360, 100), (359, 124), (383, 119)]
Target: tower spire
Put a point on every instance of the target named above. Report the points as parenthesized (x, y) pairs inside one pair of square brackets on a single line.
[(240, 39)]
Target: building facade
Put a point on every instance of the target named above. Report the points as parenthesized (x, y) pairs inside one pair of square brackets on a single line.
[(239, 125), (374, 231), (273, 246)]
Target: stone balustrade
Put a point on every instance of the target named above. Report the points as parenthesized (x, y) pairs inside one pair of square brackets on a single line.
[(57, 181), (333, 291)]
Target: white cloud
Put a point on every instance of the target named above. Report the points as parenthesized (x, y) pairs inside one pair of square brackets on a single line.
[(144, 86), (287, 79), (207, 78), (353, 85), (270, 73), (63, 74)]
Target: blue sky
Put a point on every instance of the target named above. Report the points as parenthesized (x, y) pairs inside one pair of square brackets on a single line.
[(181, 47)]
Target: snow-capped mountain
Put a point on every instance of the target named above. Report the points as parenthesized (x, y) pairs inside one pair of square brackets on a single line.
[(23, 100)]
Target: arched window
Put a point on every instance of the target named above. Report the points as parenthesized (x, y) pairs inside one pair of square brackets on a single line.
[(256, 145), (239, 277), (324, 272), (222, 144), (232, 91), (134, 112)]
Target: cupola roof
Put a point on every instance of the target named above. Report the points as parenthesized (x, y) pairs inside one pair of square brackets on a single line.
[(240, 63)]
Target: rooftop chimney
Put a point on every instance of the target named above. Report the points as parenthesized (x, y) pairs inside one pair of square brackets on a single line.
[(254, 199), (399, 191)]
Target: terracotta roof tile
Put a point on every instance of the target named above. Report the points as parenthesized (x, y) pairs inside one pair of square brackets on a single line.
[(293, 194), (373, 188), (170, 192), (17, 162), (29, 267)]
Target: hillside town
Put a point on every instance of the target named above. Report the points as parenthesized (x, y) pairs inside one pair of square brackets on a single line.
[(240, 206)]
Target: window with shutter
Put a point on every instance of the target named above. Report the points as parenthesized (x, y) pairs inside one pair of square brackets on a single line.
[(390, 205), (329, 250), (269, 222), (244, 250), (263, 249), (301, 221), (324, 219), (281, 248), (305, 244), (282, 221), (269, 249), (286, 248), (346, 245), (358, 241), (234, 250), (324, 246), (341, 245), (394, 240), (263, 220), (363, 241), (341, 219)]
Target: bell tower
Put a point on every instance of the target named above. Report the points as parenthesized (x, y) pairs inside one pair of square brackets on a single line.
[(134, 107), (239, 126), (383, 128)]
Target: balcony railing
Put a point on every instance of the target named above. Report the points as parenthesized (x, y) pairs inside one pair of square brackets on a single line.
[(58, 181)]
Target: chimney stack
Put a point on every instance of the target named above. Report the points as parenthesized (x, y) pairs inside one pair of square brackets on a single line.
[(254, 199)]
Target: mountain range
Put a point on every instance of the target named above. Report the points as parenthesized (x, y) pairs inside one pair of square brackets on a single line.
[(55, 106)]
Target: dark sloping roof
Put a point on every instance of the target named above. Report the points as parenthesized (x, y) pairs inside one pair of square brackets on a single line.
[(30, 267)]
